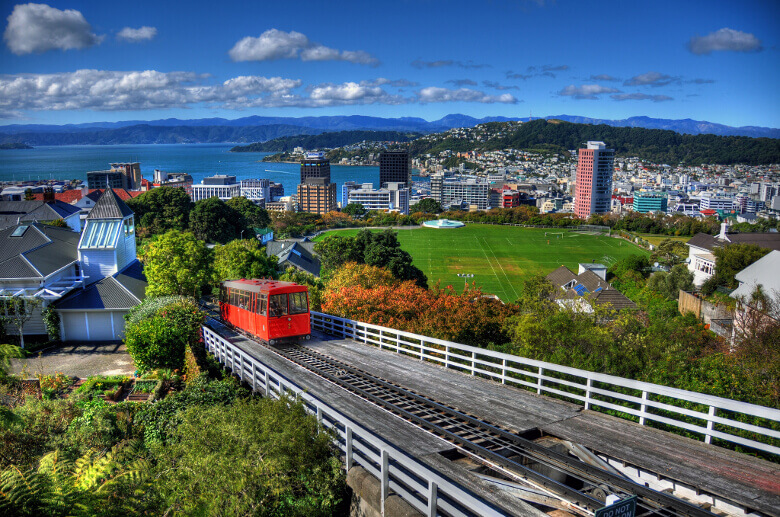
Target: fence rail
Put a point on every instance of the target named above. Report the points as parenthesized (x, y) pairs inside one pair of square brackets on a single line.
[(705, 415), (418, 484)]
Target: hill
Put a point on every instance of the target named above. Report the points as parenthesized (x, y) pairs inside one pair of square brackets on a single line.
[(658, 146), (324, 140)]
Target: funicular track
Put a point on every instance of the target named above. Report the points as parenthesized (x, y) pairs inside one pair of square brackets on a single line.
[(579, 487)]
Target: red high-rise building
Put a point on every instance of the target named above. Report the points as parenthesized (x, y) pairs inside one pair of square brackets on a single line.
[(594, 180)]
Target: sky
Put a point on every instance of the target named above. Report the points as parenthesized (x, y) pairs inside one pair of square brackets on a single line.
[(87, 61)]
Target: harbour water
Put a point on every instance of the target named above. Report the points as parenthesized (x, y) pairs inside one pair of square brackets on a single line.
[(198, 160)]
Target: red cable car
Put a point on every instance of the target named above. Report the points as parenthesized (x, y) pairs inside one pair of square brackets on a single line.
[(268, 309)]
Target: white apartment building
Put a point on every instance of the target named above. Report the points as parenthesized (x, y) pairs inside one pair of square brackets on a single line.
[(394, 198), (221, 186), (257, 191), (714, 201), (460, 190)]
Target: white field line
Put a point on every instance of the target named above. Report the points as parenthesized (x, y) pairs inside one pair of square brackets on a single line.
[(500, 285), (502, 268)]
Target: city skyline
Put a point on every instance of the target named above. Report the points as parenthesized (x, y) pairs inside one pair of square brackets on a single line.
[(84, 61)]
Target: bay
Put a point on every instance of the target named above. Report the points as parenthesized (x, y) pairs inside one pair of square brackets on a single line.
[(198, 160)]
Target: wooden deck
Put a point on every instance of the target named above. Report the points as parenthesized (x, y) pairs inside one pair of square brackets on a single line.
[(746, 480)]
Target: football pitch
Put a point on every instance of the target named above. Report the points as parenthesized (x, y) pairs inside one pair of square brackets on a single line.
[(500, 257)]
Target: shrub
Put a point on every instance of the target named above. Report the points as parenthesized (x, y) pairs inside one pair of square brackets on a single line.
[(158, 331)]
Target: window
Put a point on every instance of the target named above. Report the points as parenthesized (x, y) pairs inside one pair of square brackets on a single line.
[(262, 304), (129, 227), (298, 303), (100, 234), (277, 305)]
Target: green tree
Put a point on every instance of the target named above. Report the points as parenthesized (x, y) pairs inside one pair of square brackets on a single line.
[(670, 252), (20, 310), (28, 195), (427, 206), (162, 209), (670, 284), (730, 260), (256, 457), (158, 338), (316, 285), (255, 216), (212, 220), (177, 263), (355, 210), (243, 259)]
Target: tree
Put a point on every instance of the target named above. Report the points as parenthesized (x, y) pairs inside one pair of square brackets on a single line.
[(256, 457), (316, 285), (363, 275), (730, 260), (669, 252), (670, 284), (255, 216), (243, 259), (28, 195), (177, 263), (212, 220), (159, 339), (427, 206), (162, 209), (355, 210), (20, 310)]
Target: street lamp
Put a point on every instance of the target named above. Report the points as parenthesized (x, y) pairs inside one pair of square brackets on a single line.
[(465, 277)]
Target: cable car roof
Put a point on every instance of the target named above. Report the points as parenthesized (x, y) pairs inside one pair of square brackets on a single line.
[(264, 285)]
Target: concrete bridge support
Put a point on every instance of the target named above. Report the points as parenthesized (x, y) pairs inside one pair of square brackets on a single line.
[(366, 497)]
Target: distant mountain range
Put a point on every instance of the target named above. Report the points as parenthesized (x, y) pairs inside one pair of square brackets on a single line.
[(260, 129)]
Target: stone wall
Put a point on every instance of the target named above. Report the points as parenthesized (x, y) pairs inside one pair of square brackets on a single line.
[(367, 494)]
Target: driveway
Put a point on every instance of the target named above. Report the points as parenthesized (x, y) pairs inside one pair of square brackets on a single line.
[(77, 360)]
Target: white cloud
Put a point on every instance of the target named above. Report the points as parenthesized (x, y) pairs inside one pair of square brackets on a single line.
[(103, 90), (724, 40), (651, 79), (39, 27), (137, 35), (275, 44), (586, 91), (640, 97), (436, 94), (603, 77)]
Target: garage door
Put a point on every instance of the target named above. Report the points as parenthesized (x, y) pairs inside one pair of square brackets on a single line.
[(100, 327), (75, 326)]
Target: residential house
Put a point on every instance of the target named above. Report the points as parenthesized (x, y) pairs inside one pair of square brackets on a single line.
[(298, 254), (13, 213), (587, 290)]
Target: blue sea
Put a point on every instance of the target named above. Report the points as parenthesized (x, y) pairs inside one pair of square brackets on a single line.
[(198, 160)]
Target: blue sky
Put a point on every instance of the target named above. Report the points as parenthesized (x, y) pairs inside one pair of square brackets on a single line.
[(85, 61)]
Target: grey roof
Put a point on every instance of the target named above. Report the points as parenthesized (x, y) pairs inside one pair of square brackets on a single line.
[(614, 298), (38, 252), (109, 206), (561, 276), (298, 254), (765, 272), (770, 240), (14, 212), (592, 281), (123, 290)]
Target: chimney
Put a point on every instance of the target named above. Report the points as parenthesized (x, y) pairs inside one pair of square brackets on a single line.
[(48, 194), (724, 229)]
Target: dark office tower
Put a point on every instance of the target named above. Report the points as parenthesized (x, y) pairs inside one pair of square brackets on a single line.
[(315, 165), (395, 166)]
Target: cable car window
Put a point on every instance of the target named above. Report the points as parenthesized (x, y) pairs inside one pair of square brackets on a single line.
[(262, 303), (233, 298), (243, 300), (298, 303), (277, 305)]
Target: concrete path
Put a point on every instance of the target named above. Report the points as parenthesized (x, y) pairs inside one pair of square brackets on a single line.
[(78, 360)]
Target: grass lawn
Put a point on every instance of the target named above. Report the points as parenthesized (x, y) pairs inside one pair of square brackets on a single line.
[(500, 257), (655, 239)]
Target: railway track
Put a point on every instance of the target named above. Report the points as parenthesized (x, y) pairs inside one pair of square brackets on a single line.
[(578, 486)]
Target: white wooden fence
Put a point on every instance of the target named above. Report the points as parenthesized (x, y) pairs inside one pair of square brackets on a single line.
[(417, 483), (706, 415)]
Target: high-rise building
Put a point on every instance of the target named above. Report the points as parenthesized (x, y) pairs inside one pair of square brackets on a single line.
[(394, 197), (221, 186), (120, 175), (395, 166), (650, 202), (317, 196), (315, 165), (258, 191), (595, 166)]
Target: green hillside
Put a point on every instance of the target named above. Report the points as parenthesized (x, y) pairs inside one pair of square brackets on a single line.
[(324, 140)]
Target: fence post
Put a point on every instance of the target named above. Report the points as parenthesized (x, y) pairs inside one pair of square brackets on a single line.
[(446, 356), (588, 386), (503, 371), (643, 409), (432, 497), (349, 447), (385, 472), (381, 337), (267, 385), (473, 357), (539, 380), (708, 436), (254, 377)]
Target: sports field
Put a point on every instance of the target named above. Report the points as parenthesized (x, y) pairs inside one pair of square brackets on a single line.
[(500, 257)]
